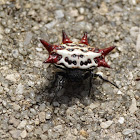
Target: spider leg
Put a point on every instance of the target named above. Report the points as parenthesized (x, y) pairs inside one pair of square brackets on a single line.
[(90, 75), (106, 80), (90, 84), (138, 79), (55, 79), (58, 83)]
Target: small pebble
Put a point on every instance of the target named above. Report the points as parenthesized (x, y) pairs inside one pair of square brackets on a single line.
[(23, 134), (33, 111), (132, 2), (19, 89), (94, 105), (16, 107), (13, 77), (133, 108), (43, 137), (48, 115), (121, 120), (81, 10), (106, 124), (83, 133), (59, 14), (15, 53), (138, 43), (15, 133), (4, 103), (7, 30), (39, 49), (14, 121), (74, 12), (127, 131), (134, 31), (42, 116), (29, 128), (50, 25), (37, 121), (28, 38), (22, 124), (58, 128), (42, 107), (45, 127)]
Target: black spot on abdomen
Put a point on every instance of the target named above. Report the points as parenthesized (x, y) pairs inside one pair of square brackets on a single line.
[(74, 62), (89, 61), (81, 63), (68, 61), (85, 63)]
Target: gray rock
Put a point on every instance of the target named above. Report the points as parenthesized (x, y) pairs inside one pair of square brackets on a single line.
[(33, 111), (133, 106), (32, 95), (56, 104), (133, 2), (106, 124), (43, 137), (42, 116), (74, 12), (23, 134), (127, 131), (138, 43), (50, 25), (65, 2), (59, 14), (81, 10), (14, 121), (42, 107), (31, 83), (45, 127), (4, 103), (16, 107), (38, 64), (29, 128), (121, 120), (117, 8), (85, 26), (52, 134), (39, 49), (22, 124), (38, 131), (70, 137), (37, 121), (15, 53), (134, 31), (14, 77), (58, 128), (20, 89), (15, 133), (7, 30), (94, 105), (48, 115), (28, 38)]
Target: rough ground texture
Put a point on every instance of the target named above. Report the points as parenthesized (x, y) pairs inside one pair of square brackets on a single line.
[(25, 109)]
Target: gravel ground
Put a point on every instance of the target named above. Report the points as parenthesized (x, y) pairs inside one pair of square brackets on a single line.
[(25, 109)]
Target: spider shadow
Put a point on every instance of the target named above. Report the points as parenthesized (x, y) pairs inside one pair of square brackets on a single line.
[(73, 92)]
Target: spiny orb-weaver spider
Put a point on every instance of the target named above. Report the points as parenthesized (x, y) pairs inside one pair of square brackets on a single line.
[(76, 60)]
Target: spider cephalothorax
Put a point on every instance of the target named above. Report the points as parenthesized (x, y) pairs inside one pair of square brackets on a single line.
[(77, 59)]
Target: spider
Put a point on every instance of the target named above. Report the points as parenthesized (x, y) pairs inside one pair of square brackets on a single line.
[(77, 61)]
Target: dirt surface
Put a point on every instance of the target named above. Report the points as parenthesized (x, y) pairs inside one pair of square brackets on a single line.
[(25, 108)]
